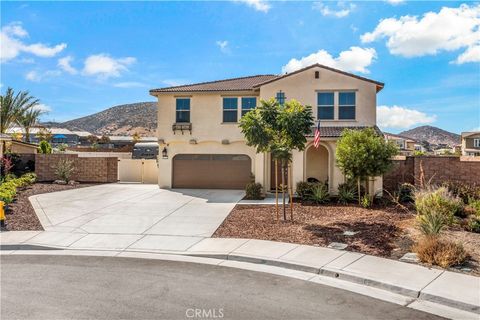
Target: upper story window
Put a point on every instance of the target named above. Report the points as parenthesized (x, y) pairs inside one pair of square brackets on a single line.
[(325, 103), (230, 107), (346, 105), (280, 97), (248, 104), (182, 111), (476, 143)]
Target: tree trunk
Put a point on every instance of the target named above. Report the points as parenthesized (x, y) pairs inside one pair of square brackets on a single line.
[(358, 190), (283, 191), (276, 187), (290, 188), (27, 135)]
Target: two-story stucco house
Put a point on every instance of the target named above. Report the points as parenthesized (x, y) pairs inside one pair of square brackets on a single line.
[(471, 143), (201, 145)]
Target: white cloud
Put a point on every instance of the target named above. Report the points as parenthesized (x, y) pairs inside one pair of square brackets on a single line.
[(223, 45), (43, 107), (342, 10), (396, 117), (472, 54), (355, 59), (450, 29), (395, 2), (131, 84), (65, 64), (37, 76), (104, 66), (258, 5), (12, 44), (174, 82)]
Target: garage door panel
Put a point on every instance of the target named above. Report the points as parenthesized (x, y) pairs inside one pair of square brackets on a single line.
[(211, 171)]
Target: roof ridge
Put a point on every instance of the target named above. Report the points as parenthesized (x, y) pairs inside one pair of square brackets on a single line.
[(321, 66), (216, 81)]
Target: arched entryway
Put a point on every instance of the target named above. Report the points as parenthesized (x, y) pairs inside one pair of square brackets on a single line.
[(317, 164)]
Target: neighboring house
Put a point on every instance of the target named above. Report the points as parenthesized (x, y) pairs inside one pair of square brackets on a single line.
[(83, 137), (406, 145), (145, 150), (471, 143), (122, 141), (201, 145), (59, 135)]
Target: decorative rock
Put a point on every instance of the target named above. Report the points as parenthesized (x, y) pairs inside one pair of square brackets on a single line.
[(349, 233), (410, 257), (72, 182), (338, 245), (59, 182)]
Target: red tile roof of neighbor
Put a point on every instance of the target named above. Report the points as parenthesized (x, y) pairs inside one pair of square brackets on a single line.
[(249, 83)]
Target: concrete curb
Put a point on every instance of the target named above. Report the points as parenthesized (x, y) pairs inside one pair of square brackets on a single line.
[(322, 271), (342, 275)]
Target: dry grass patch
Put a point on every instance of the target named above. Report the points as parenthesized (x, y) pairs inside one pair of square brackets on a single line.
[(434, 251)]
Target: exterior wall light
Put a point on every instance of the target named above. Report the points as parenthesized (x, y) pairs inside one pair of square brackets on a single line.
[(164, 153)]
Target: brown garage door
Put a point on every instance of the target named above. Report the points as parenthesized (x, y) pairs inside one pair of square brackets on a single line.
[(211, 171)]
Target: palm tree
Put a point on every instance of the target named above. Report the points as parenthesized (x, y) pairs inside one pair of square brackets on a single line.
[(13, 107), (28, 120)]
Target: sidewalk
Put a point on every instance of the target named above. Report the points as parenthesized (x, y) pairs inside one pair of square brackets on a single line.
[(415, 283)]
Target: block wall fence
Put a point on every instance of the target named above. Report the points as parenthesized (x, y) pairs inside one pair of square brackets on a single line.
[(437, 168), (94, 169)]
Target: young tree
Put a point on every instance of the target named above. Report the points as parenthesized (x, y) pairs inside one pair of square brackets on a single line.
[(364, 153), (44, 147), (28, 119), (104, 139), (278, 129), (92, 139)]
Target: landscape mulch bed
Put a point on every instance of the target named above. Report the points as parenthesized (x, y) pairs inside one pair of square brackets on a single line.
[(20, 215), (379, 230), (385, 231)]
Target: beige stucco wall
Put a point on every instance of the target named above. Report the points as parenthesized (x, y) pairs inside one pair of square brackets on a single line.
[(304, 87), (209, 131), (18, 147)]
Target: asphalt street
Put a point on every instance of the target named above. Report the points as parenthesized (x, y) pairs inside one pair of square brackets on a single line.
[(77, 287)]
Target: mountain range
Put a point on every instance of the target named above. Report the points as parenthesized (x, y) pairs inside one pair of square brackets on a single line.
[(141, 117)]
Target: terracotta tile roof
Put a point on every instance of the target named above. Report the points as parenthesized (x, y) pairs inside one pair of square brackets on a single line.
[(335, 132), (380, 85), (234, 84)]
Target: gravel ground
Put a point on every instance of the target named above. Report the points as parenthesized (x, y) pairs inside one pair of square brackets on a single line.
[(20, 215)]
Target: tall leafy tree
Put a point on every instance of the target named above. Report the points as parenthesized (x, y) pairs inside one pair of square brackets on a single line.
[(13, 107), (278, 130), (28, 119), (362, 154)]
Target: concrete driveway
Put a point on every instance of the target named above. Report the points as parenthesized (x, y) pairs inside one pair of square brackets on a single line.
[(135, 209)]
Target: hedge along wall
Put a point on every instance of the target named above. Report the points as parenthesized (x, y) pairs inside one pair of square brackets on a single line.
[(437, 168), (95, 169)]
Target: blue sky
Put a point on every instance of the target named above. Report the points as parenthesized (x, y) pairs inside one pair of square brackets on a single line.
[(80, 58)]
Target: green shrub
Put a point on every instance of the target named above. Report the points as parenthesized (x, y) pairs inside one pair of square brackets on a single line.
[(253, 191), (305, 189), (431, 223), (64, 169), (464, 191), (405, 192), (347, 193), (366, 201), (473, 224), (320, 193), (475, 205), (44, 147), (438, 201)]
